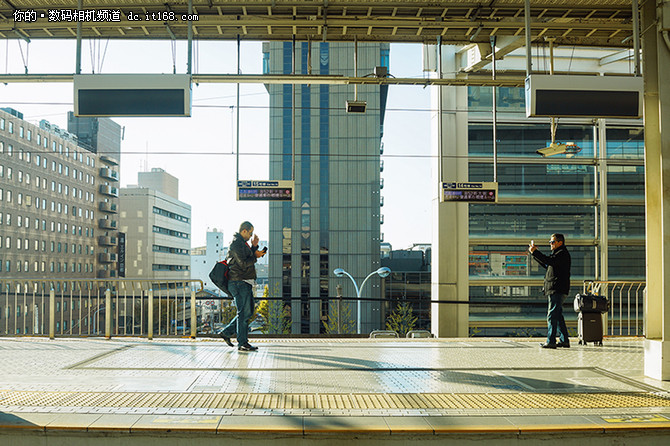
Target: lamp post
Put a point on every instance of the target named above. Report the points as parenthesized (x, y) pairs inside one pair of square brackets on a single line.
[(382, 272)]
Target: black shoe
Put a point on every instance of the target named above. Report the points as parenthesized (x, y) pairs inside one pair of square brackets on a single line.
[(246, 348), (563, 345), (227, 339), (548, 345)]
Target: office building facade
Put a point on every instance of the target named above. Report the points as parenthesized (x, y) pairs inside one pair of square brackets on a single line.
[(54, 197), (334, 221), (203, 258), (157, 228)]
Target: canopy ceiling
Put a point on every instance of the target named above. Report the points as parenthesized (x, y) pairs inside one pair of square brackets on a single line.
[(605, 23)]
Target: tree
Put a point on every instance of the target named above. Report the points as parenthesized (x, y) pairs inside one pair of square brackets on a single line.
[(228, 312), (339, 320), (276, 315), (401, 320)]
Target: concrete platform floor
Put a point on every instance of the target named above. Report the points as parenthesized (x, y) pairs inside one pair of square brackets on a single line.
[(371, 389)]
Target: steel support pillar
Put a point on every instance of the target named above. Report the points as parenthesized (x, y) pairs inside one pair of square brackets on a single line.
[(656, 48), (450, 220)]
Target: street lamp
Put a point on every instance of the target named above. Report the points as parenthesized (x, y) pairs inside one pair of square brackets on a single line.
[(382, 272)]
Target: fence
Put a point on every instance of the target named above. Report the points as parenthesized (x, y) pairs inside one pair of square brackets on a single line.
[(93, 307), (627, 298)]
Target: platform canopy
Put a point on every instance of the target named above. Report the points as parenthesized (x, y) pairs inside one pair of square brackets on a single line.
[(603, 23)]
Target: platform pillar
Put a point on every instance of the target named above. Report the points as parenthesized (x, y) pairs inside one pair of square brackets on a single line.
[(656, 49)]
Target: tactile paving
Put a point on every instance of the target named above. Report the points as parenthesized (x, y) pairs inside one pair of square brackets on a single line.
[(333, 401)]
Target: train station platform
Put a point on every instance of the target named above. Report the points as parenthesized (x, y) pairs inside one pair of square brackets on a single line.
[(128, 391)]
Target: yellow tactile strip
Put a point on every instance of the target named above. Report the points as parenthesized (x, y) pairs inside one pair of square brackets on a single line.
[(333, 401)]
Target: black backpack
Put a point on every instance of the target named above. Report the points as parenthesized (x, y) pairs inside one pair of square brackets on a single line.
[(219, 275)]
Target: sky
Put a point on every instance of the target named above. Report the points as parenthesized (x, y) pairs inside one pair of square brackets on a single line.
[(200, 150)]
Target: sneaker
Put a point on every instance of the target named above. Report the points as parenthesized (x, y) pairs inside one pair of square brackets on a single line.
[(563, 345), (227, 339), (548, 345), (246, 348)]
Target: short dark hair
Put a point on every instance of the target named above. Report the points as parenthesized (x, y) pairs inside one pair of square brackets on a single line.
[(559, 237), (246, 226)]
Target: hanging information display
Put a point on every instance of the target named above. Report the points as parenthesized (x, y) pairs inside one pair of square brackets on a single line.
[(469, 192), (249, 190)]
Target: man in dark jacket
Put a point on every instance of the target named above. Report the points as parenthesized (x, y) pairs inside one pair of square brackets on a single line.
[(242, 277), (556, 288)]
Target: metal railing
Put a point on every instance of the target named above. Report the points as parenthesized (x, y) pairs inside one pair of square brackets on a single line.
[(627, 299), (95, 307)]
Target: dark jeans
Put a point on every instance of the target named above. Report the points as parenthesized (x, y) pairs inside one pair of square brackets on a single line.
[(244, 301), (555, 320)]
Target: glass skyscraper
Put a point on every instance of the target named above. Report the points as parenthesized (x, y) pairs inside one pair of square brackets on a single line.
[(334, 221)]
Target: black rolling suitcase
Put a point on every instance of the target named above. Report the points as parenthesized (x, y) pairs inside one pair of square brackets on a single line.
[(590, 303), (590, 328)]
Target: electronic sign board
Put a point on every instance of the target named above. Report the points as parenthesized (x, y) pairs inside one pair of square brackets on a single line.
[(132, 95), (469, 192), (248, 190)]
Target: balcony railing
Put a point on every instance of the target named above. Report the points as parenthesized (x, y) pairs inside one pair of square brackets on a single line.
[(109, 160), (105, 206), (104, 223), (109, 174), (105, 240), (97, 307), (106, 274), (109, 190), (107, 257)]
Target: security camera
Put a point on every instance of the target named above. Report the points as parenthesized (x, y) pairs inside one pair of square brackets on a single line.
[(569, 149)]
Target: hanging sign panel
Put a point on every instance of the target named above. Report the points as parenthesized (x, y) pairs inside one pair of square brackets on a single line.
[(249, 190), (469, 192)]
